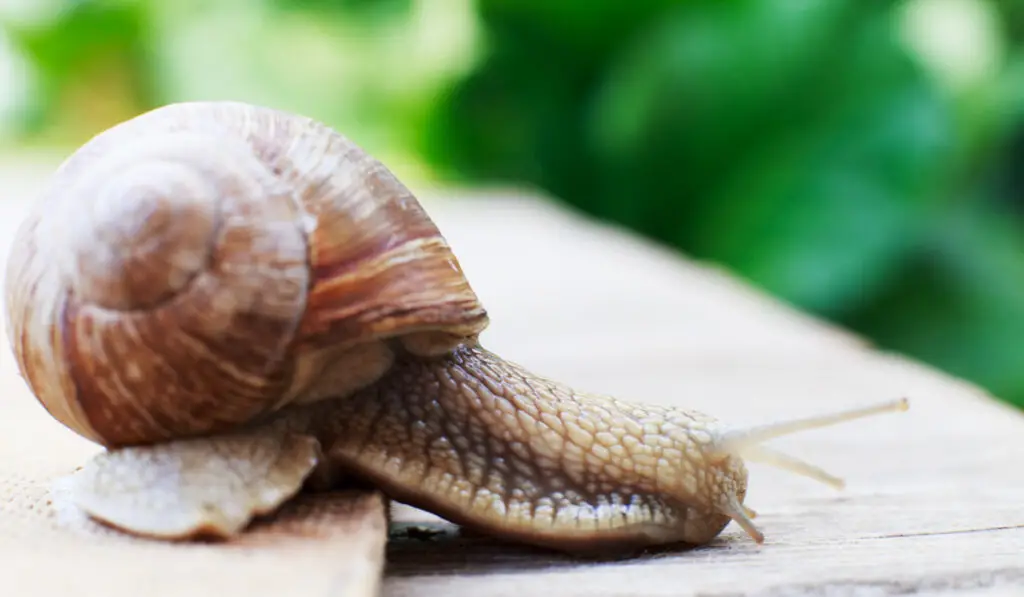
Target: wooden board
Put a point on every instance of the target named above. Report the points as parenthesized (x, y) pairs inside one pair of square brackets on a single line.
[(323, 547), (935, 496)]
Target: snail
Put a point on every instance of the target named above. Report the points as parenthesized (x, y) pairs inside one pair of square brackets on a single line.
[(239, 303)]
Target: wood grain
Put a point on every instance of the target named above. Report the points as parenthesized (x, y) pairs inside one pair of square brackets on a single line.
[(934, 497)]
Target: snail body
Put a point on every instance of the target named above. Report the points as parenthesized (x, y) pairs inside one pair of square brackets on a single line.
[(238, 302)]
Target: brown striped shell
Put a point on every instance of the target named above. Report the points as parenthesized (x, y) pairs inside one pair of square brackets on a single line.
[(205, 264)]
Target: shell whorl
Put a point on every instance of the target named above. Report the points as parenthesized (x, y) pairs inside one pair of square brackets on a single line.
[(151, 210), (179, 265)]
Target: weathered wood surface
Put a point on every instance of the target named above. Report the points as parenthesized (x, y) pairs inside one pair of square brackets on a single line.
[(317, 547), (935, 496)]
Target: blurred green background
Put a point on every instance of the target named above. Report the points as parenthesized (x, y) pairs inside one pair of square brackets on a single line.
[(862, 160)]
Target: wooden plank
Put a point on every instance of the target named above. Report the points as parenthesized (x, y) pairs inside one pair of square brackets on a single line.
[(933, 502), (933, 498), (317, 546)]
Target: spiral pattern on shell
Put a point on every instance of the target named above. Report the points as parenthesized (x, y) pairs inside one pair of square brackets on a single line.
[(181, 264)]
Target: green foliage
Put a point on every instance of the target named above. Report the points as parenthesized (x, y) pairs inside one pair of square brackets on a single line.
[(807, 173), (801, 144), (372, 10), (958, 302), (73, 49), (807, 145), (591, 30), (515, 118), (795, 142)]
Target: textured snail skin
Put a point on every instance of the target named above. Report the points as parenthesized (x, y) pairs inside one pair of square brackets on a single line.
[(466, 435), (485, 443), (240, 303)]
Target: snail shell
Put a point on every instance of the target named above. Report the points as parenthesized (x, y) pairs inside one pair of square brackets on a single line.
[(201, 265)]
